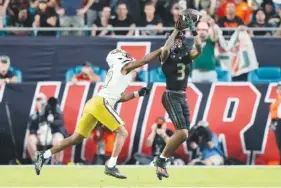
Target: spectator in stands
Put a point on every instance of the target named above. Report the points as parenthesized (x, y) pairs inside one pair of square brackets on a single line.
[(45, 17), (277, 5), (3, 8), (72, 14), (243, 11), (151, 21), (25, 19), (157, 140), (201, 137), (208, 5), (46, 127), (6, 76), (204, 67), (278, 33), (102, 21), (269, 9), (55, 4), (260, 21), (158, 136), (230, 20), (86, 74), (13, 9), (171, 20), (123, 20), (93, 12), (275, 112), (275, 21)]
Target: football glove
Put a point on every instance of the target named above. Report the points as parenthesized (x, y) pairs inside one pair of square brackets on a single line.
[(144, 91), (180, 23)]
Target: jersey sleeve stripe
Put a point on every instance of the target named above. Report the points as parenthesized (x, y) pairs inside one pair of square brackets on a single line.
[(112, 112)]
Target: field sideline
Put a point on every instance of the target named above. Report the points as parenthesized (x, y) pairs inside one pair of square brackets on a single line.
[(141, 176)]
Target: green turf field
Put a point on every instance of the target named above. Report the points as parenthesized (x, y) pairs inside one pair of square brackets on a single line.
[(91, 176)]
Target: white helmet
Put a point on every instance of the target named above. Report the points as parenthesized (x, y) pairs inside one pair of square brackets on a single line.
[(118, 56)]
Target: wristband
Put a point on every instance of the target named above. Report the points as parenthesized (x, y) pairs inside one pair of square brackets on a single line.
[(136, 94)]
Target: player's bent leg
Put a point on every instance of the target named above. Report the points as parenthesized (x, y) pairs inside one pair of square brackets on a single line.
[(83, 129), (32, 142), (110, 168), (121, 135), (42, 157), (57, 138), (174, 142)]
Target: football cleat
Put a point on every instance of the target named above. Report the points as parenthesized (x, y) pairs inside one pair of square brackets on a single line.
[(114, 172), (161, 170), (39, 161)]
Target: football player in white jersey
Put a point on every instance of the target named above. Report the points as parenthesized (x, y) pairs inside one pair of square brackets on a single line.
[(100, 108)]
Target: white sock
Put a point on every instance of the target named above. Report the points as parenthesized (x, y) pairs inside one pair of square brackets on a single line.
[(47, 154), (112, 162), (162, 157)]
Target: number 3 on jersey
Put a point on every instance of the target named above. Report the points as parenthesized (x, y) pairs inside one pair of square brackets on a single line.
[(181, 71)]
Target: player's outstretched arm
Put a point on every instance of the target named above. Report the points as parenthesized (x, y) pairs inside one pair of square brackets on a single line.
[(168, 45), (138, 63), (129, 96), (197, 49)]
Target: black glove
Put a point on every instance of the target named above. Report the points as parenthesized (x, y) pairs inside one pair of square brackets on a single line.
[(144, 91), (191, 24)]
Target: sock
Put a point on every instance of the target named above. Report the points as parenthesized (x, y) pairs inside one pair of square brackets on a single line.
[(47, 154), (162, 157), (112, 162)]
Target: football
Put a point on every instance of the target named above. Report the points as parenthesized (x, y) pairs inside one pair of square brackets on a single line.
[(194, 14)]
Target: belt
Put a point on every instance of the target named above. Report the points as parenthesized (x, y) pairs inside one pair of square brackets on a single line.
[(172, 91)]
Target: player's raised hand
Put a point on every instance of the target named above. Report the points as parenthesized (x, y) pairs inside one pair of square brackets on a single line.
[(181, 22), (144, 91)]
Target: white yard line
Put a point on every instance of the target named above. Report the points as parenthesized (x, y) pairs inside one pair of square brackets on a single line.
[(140, 166), (142, 187)]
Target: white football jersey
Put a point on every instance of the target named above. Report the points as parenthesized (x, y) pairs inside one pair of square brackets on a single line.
[(115, 82)]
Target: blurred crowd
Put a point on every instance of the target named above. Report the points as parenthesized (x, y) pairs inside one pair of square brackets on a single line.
[(152, 14)]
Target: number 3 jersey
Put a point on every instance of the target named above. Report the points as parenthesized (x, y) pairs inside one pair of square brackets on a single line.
[(116, 83), (176, 71)]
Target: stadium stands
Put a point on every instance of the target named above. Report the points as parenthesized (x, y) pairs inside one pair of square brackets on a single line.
[(265, 75), (223, 76), (77, 70), (17, 72)]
